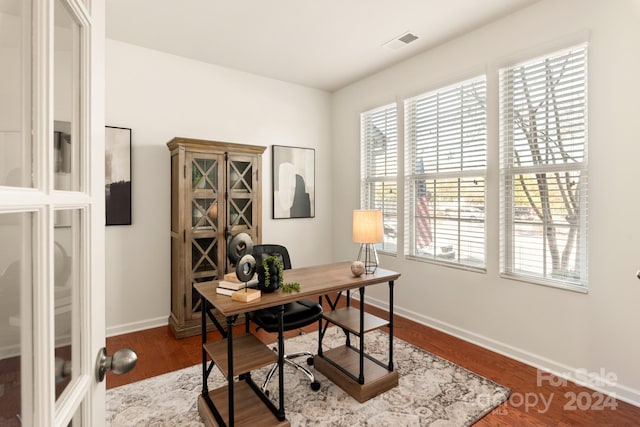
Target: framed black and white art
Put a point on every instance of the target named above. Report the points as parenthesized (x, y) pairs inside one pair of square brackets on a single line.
[(117, 144), (293, 182)]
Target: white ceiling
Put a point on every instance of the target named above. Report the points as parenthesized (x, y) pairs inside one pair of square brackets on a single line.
[(324, 44)]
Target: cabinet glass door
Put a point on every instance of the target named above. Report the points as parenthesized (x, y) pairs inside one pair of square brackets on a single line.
[(204, 234), (241, 205), (240, 185)]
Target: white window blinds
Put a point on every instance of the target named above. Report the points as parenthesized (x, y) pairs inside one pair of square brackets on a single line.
[(543, 137), (379, 168), (446, 146)]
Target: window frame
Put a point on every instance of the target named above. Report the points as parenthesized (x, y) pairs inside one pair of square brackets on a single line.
[(416, 181), (368, 180), (509, 173)]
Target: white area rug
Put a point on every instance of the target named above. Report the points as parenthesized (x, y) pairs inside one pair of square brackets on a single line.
[(432, 392)]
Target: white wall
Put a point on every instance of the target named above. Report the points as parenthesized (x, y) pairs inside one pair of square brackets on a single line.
[(551, 328), (160, 96)]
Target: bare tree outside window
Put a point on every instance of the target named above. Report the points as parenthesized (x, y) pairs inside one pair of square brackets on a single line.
[(544, 140)]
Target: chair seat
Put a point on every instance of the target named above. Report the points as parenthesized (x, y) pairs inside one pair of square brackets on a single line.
[(296, 315)]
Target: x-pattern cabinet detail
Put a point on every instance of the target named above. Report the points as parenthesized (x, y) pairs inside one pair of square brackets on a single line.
[(216, 192)]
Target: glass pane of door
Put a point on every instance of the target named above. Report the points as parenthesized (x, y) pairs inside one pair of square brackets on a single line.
[(205, 171), (240, 176), (240, 188), (76, 421), (204, 174), (67, 238), (204, 213), (66, 88), (16, 148), (15, 324)]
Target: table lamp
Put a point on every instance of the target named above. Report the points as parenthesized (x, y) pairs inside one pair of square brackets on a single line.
[(367, 230)]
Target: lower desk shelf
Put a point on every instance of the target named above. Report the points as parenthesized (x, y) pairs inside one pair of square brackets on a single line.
[(349, 318), (249, 410), (377, 379), (249, 353)]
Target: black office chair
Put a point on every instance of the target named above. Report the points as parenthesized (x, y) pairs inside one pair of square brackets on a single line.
[(296, 315)]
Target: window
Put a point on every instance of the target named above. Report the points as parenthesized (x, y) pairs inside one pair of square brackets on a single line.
[(379, 169), (446, 145), (543, 137)]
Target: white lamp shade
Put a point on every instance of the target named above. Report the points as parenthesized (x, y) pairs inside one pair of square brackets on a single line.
[(367, 226)]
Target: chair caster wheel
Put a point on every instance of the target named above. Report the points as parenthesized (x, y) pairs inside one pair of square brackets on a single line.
[(309, 361), (315, 386)]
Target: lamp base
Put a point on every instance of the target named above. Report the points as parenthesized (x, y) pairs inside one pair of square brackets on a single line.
[(369, 257)]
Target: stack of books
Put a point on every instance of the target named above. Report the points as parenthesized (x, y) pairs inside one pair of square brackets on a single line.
[(226, 287)]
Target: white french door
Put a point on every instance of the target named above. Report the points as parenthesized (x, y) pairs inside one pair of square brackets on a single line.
[(52, 314)]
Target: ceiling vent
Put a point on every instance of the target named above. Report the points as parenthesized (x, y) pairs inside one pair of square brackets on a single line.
[(401, 41)]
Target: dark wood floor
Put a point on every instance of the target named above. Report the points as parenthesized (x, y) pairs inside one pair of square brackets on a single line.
[(530, 403)]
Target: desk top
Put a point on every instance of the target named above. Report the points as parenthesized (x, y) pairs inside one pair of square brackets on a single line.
[(314, 281)]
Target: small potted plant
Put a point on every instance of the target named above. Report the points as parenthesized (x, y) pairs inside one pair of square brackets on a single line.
[(270, 274)]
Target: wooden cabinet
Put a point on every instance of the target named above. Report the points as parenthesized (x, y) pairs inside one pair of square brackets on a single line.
[(216, 192)]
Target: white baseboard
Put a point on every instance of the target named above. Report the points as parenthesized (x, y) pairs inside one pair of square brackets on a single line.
[(594, 379), (9, 351), (137, 326)]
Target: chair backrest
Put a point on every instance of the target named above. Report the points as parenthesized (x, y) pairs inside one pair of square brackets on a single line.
[(260, 252)]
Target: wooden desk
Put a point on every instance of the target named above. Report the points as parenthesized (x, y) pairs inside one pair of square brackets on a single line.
[(243, 353)]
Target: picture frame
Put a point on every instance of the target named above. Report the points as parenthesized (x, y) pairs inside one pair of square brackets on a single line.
[(117, 144), (293, 183)]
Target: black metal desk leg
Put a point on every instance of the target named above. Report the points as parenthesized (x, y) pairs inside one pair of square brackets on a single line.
[(390, 325), (319, 352), (205, 388), (348, 340), (230, 321), (361, 374), (281, 415)]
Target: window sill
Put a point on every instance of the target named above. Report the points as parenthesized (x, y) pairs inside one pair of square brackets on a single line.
[(482, 270), (549, 283)]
